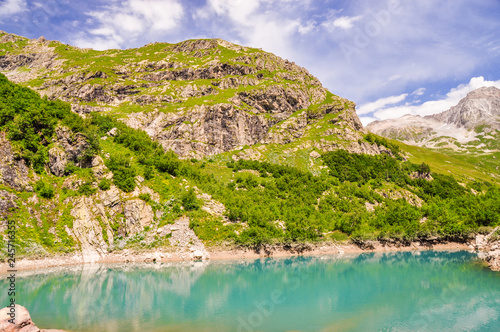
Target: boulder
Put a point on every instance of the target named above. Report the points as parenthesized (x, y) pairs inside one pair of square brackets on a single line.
[(57, 161), (22, 321)]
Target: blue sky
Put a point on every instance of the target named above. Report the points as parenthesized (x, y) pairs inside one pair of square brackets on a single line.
[(391, 57)]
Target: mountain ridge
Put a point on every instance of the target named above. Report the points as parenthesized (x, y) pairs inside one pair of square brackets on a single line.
[(197, 98), (468, 130)]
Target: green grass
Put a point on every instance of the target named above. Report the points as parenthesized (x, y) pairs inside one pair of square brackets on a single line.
[(462, 170)]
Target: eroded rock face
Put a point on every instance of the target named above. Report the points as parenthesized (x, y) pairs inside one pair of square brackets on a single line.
[(138, 214), (87, 229), (489, 247), (185, 241), (57, 160), (7, 204), (70, 147), (481, 106), (279, 102), (13, 172), (204, 130)]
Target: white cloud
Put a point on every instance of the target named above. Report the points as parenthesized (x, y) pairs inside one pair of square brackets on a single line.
[(408, 42), (381, 103), (418, 92), (119, 24), (12, 7), (252, 24), (308, 28), (99, 43), (434, 106), (366, 120), (343, 22)]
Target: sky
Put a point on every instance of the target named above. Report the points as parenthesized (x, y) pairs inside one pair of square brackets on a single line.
[(391, 57)]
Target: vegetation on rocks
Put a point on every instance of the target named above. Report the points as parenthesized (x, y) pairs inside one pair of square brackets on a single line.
[(268, 155)]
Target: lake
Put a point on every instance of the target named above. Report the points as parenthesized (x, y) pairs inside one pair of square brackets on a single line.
[(401, 291)]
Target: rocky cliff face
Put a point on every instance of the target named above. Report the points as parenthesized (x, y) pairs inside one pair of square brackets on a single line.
[(69, 147), (197, 98), (13, 171), (480, 107)]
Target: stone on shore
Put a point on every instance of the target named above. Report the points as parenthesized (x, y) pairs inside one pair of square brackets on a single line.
[(22, 321)]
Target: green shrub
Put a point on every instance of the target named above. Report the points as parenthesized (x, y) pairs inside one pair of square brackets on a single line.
[(30, 122), (145, 197), (104, 184), (123, 174), (44, 190), (189, 200), (70, 168), (149, 172), (86, 189)]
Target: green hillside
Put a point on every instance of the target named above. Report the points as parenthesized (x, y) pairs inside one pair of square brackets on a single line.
[(356, 196)]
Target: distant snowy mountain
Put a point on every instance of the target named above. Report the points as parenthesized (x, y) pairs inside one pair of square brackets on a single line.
[(473, 123)]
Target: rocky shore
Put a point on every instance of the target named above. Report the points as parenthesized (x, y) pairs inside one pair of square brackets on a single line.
[(18, 319), (487, 250)]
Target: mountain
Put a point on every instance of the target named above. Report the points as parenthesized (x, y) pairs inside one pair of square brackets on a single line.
[(478, 111), (176, 149), (471, 129), (197, 98)]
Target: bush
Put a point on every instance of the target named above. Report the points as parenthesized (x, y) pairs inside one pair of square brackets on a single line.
[(123, 174), (86, 189), (104, 184), (189, 200), (149, 172), (44, 190), (145, 197)]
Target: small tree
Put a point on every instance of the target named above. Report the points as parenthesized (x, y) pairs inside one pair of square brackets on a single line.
[(424, 169), (189, 201)]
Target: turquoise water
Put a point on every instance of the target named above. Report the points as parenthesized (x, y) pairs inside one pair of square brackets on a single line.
[(405, 291)]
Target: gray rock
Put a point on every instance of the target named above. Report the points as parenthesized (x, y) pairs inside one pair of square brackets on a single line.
[(137, 215), (13, 171)]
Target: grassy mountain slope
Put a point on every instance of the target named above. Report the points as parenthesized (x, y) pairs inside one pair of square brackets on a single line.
[(197, 98), (122, 190)]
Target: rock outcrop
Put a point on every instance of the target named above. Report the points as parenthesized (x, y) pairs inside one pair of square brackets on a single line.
[(87, 229), (22, 321), (70, 147), (489, 247), (138, 214), (7, 204), (479, 107), (13, 171), (187, 245)]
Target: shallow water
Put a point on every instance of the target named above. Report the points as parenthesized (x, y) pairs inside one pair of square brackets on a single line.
[(405, 291)]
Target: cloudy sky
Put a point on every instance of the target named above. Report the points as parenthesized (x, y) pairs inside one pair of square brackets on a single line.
[(392, 57)]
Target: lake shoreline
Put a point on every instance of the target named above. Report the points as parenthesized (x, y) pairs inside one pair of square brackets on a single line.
[(229, 253)]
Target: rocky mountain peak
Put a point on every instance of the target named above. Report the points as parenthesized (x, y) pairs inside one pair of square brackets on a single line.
[(481, 106), (471, 128)]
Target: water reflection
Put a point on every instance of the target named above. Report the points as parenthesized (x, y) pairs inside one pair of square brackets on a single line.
[(404, 291)]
